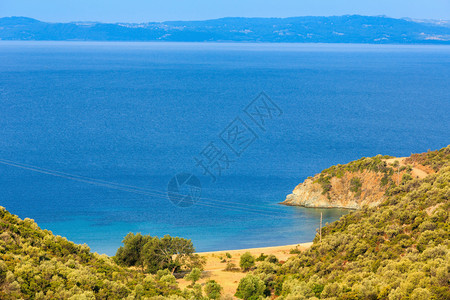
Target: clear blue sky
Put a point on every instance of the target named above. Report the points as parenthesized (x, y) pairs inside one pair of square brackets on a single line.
[(163, 10)]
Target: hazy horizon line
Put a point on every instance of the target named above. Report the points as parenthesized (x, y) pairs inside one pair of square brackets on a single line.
[(230, 17)]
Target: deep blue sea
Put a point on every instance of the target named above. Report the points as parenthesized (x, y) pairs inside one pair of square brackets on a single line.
[(136, 114)]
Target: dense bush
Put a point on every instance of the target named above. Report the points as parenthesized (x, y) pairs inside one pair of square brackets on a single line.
[(250, 287), (35, 264), (247, 261), (213, 289), (375, 164), (399, 250)]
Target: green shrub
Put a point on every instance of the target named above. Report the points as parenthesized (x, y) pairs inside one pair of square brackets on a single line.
[(231, 267), (261, 257), (213, 289), (194, 275), (355, 186), (250, 288), (247, 261), (272, 259)]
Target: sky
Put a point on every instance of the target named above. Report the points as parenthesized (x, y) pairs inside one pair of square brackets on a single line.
[(164, 10)]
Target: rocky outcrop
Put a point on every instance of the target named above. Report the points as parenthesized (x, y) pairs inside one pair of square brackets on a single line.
[(358, 183), (341, 195)]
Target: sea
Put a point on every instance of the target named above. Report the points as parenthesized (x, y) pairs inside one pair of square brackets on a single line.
[(95, 135)]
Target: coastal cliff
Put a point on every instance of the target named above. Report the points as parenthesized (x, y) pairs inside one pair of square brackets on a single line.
[(364, 182), (311, 194)]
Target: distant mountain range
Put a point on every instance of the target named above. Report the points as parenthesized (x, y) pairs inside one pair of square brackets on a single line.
[(339, 29)]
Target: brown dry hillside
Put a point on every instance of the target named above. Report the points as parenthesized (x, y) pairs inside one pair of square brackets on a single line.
[(364, 181)]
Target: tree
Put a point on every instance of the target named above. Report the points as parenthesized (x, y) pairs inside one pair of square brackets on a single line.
[(194, 275), (131, 252), (213, 289), (250, 288), (247, 261), (168, 253), (156, 253)]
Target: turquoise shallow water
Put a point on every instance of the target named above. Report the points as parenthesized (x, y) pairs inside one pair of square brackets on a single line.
[(137, 114)]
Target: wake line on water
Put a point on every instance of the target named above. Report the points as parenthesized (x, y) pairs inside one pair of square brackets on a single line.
[(203, 201)]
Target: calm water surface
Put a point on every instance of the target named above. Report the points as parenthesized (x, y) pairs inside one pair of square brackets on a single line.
[(138, 113)]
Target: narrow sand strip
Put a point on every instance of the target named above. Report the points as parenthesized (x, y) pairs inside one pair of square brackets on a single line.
[(216, 262), (265, 250)]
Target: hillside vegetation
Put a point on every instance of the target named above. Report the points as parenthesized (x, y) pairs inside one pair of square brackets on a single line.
[(398, 250), (35, 264)]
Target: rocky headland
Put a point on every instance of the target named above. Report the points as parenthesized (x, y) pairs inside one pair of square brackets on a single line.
[(364, 182)]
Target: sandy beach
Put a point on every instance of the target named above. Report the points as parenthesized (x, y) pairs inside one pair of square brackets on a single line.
[(216, 262)]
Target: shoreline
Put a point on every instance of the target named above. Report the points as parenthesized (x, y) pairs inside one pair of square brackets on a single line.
[(319, 207), (260, 249), (217, 261)]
